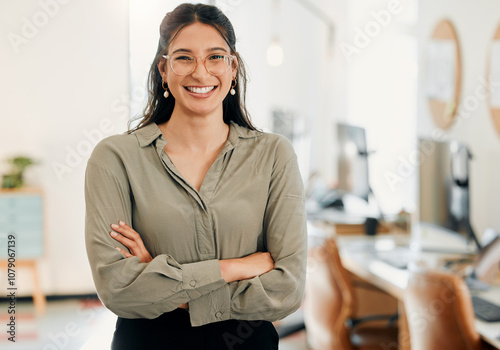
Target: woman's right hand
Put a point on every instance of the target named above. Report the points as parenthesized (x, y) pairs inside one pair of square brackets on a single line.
[(250, 266), (132, 240)]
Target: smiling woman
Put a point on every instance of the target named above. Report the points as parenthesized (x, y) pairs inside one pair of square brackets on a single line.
[(208, 242), (198, 89), (223, 39)]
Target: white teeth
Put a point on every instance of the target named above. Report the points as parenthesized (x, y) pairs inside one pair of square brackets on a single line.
[(202, 90)]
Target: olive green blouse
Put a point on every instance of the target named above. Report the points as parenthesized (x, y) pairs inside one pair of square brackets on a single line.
[(250, 200)]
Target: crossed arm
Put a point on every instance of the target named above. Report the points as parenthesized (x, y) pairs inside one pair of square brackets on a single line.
[(238, 269)]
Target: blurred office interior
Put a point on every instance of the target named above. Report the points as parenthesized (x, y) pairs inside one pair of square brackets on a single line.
[(74, 73)]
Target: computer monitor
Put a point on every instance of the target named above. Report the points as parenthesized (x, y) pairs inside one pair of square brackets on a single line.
[(444, 187), (353, 161)]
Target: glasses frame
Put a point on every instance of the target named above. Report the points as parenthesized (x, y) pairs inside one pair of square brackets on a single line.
[(231, 58)]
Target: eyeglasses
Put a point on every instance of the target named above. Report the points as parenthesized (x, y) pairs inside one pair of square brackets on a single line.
[(215, 64)]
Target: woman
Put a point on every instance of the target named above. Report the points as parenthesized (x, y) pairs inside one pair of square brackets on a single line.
[(207, 212)]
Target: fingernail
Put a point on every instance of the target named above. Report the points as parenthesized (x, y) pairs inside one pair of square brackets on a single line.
[(121, 223), (114, 226), (117, 248), (114, 234)]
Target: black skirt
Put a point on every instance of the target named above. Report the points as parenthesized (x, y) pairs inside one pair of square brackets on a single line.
[(173, 330)]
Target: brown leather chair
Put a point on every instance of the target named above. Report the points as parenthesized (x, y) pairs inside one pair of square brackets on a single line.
[(330, 303), (439, 311)]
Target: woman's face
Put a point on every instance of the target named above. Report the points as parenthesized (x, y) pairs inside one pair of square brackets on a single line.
[(199, 93)]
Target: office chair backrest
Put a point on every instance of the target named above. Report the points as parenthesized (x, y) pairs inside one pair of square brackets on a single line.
[(329, 299), (439, 311)]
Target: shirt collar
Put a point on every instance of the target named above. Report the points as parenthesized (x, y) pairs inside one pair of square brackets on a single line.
[(149, 133)]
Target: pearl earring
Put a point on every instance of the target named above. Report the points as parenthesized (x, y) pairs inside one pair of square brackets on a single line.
[(233, 91), (165, 86)]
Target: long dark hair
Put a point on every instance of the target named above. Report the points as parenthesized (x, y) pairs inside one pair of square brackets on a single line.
[(159, 109)]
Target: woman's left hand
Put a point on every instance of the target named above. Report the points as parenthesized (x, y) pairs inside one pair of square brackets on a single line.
[(132, 240)]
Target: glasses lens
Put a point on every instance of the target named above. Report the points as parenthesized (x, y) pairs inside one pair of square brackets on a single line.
[(218, 64), (215, 64), (182, 64)]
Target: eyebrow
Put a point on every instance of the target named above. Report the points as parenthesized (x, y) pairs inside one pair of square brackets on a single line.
[(211, 50)]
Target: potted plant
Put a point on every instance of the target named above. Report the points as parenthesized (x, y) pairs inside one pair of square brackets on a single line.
[(14, 179)]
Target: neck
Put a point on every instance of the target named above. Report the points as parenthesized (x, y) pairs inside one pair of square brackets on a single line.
[(195, 133)]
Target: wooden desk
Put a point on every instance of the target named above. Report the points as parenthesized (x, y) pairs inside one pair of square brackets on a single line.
[(364, 264)]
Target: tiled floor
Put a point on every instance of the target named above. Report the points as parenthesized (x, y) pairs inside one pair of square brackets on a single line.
[(68, 324), (76, 325)]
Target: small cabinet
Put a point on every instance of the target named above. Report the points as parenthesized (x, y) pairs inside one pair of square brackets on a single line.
[(21, 215)]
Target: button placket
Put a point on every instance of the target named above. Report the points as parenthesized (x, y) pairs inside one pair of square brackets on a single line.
[(176, 175), (205, 223), (205, 239)]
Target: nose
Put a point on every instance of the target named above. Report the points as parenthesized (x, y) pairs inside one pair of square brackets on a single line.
[(200, 70)]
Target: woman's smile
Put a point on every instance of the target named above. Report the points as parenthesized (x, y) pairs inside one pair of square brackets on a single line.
[(201, 91)]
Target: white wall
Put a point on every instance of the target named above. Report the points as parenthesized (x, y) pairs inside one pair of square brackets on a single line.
[(475, 24), (62, 81), (297, 85), (381, 90)]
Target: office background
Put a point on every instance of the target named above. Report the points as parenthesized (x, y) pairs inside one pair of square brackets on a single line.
[(72, 73)]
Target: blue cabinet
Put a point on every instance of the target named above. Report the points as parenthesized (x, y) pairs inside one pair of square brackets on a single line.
[(21, 215)]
